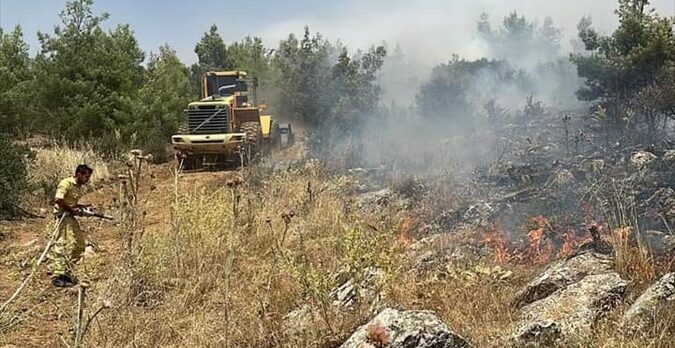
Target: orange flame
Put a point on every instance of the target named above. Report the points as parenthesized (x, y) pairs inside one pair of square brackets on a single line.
[(540, 248), (571, 241), (495, 241), (541, 245)]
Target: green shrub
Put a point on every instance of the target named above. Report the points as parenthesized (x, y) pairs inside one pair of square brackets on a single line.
[(57, 161), (159, 147), (13, 176)]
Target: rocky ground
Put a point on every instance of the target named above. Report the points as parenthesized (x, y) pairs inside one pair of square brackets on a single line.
[(546, 246)]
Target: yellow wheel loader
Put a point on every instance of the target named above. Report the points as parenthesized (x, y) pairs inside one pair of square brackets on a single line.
[(226, 125)]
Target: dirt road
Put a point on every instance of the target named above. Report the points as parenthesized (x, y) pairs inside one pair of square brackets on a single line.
[(42, 314)]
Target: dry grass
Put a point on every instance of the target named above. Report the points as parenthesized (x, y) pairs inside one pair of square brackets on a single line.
[(634, 261), (238, 258), (475, 306), (609, 334), (234, 258), (58, 161)]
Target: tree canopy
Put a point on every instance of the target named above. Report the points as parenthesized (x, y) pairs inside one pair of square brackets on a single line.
[(90, 82), (630, 72)]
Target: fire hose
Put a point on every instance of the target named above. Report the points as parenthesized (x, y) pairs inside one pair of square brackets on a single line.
[(84, 211), (52, 240)]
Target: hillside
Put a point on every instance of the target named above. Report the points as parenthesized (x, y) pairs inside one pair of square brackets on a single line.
[(513, 188), (287, 253)]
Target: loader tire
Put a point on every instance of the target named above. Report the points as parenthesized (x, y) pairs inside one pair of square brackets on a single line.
[(253, 141)]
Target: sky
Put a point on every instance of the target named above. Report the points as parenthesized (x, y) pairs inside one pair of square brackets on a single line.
[(430, 29)]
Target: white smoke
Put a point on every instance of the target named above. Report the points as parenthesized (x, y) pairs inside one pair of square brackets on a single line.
[(432, 30), (428, 33)]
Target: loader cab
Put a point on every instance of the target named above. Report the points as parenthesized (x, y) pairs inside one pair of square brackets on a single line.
[(222, 84)]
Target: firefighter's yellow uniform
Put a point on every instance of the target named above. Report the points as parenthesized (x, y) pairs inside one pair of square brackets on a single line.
[(71, 241)]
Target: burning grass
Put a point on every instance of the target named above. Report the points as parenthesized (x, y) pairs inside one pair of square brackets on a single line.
[(234, 257), (540, 243)]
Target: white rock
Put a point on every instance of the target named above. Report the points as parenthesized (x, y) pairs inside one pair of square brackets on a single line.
[(640, 316), (569, 313), (561, 274), (405, 329), (639, 159)]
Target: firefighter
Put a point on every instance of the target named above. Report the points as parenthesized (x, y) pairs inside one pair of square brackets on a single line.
[(70, 243)]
